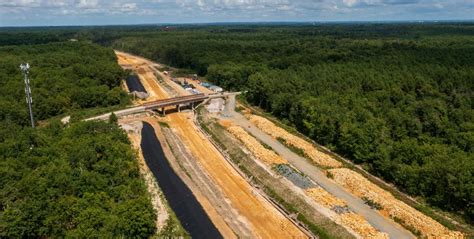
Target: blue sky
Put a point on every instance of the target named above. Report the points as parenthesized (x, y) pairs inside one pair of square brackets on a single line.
[(106, 12)]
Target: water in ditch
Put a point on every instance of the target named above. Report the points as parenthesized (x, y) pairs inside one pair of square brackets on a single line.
[(180, 198)]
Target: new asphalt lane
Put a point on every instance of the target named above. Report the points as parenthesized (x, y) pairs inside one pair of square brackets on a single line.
[(180, 198)]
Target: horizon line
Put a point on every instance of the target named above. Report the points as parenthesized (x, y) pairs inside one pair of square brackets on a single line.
[(252, 22)]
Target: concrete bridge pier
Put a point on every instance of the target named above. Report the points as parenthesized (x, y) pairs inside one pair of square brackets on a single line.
[(163, 111), (178, 108)]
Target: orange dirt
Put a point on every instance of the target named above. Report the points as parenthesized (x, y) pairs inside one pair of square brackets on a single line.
[(349, 220), (360, 226), (276, 132), (266, 221), (265, 155), (361, 187), (135, 138), (321, 196)]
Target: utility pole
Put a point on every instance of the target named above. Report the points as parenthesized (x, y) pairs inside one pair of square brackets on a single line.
[(25, 68)]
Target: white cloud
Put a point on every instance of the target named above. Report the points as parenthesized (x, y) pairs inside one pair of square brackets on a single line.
[(350, 3), (20, 3), (230, 10), (88, 4)]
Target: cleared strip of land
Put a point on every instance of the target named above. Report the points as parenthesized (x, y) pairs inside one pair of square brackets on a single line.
[(390, 206), (265, 220), (347, 219), (317, 175), (356, 184)]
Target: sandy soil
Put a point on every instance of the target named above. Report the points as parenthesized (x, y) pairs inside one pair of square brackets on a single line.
[(361, 187), (266, 221), (270, 128), (135, 137), (350, 220), (323, 197), (268, 156)]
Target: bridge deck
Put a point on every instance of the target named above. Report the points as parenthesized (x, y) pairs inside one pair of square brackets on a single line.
[(175, 101)]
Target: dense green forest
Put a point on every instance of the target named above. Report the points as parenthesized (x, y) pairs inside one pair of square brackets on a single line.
[(78, 182), (396, 98), (64, 76), (75, 181)]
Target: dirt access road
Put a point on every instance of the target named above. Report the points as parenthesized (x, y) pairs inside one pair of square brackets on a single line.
[(265, 220), (357, 205)]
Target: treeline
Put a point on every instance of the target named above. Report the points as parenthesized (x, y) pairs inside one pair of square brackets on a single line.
[(64, 76), (397, 99), (76, 181)]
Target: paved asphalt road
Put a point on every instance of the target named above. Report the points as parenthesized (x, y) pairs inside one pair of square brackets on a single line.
[(180, 198), (357, 205)]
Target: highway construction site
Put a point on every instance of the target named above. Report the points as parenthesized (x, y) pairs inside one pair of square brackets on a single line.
[(227, 174)]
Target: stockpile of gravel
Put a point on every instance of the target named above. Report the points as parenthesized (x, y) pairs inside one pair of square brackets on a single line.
[(294, 176)]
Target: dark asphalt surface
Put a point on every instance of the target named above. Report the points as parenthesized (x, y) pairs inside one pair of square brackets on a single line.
[(134, 84), (180, 198)]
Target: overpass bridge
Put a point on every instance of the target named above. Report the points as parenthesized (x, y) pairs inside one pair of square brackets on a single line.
[(190, 99), (179, 101), (175, 101)]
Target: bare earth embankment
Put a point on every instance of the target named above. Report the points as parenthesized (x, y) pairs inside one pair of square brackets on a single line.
[(350, 220), (265, 220), (356, 184)]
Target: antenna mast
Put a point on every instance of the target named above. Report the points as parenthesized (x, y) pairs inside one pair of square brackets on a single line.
[(25, 68)]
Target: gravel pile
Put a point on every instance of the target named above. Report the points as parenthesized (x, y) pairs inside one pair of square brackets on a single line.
[(340, 210), (294, 176)]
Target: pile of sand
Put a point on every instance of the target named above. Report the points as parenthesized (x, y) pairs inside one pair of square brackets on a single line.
[(276, 132), (349, 220), (267, 156), (361, 187), (324, 198), (360, 226)]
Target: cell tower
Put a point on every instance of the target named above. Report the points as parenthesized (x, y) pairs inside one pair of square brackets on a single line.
[(25, 68)]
